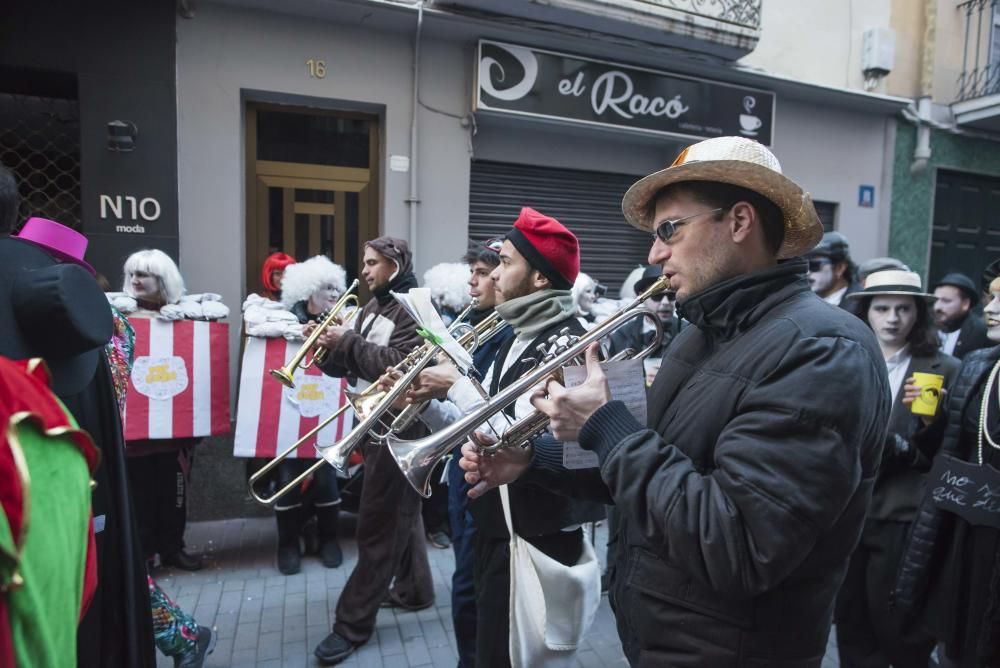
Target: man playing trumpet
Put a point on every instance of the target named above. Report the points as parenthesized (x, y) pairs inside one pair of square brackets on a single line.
[(744, 495), (390, 534), (539, 260)]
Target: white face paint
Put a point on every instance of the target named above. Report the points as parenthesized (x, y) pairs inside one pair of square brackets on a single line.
[(323, 299), (992, 313), (145, 287), (587, 298), (892, 318)]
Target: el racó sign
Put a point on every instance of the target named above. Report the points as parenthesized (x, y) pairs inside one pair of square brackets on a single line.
[(533, 82)]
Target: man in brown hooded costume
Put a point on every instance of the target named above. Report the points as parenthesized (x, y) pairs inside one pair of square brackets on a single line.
[(390, 535)]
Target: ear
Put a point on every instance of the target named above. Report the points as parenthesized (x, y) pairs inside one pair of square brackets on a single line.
[(539, 280), (745, 221)]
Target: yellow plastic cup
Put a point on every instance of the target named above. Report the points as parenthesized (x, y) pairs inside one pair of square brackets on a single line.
[(930, 392)]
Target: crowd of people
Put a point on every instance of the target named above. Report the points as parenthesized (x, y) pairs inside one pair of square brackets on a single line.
[(817, 444)]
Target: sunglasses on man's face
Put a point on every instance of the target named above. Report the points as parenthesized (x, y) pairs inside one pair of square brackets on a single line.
[(665, 230), (817, 264)]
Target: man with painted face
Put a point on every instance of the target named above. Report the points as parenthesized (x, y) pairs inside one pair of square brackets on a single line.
[(831, 272), (869, 631), (961, 329), (539, 261), (744, 495), (390, 535)]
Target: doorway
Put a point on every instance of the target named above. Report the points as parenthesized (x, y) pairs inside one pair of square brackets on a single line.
[(311, 186)]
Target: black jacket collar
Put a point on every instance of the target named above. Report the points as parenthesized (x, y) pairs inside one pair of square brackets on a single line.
[(737, 303)]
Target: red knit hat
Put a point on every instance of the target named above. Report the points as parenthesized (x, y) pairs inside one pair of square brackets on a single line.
[(547, 246)]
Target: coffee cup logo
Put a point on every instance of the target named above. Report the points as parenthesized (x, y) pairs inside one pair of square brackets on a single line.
[(748, 122)]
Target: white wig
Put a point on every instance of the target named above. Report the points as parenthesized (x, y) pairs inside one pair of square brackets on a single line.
[(449, 284), (628, 285), (302, 279), (582, 282), (155, 263)]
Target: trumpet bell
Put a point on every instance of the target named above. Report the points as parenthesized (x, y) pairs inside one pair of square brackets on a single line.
[(365, 405), (283, 375)]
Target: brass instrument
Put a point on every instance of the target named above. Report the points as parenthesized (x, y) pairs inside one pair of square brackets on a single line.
[(369, 405), (475, 337), (417, 458), (285, 373), (372, 407)]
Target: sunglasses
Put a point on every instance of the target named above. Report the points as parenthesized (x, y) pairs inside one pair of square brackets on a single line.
[(665, 230), (817, 264), (494, 244)]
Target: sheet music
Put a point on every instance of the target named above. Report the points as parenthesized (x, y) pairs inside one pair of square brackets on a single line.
[(626, 380), (417, 302)]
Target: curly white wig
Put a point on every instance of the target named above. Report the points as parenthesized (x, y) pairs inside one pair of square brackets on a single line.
[(302, 279), (582, 282), (628, 285), (449, 284), (155, 263)]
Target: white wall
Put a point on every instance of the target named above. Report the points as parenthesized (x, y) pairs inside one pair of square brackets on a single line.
[(817, 41), (830, 153)]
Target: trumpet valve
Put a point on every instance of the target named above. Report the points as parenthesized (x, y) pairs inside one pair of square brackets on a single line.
[(283, 376)]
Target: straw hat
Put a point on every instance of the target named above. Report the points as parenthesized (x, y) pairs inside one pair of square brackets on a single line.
[(893, 282), (740, 162)]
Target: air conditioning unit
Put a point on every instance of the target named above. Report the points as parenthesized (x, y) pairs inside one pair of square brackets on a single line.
[(878, 52)]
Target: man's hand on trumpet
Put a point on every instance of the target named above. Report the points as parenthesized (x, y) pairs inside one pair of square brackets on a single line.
[(569, 408), (331, 337), (433, 383), (484, 472)]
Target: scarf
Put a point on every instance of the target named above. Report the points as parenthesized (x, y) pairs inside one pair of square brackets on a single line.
[(531, 314)]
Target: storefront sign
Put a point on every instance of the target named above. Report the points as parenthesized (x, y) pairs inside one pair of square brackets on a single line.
[(532, 82)]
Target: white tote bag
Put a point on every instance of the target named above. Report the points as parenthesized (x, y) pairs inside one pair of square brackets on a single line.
[(551, 605)]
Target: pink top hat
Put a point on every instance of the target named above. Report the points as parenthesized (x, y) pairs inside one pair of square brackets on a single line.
[(65, 244)]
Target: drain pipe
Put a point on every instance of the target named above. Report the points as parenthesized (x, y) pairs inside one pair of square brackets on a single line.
[(414, 199), (922, 152)]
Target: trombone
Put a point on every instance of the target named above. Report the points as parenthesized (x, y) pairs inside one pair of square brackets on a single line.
[(285, 374), (417, 458), (370, 405)]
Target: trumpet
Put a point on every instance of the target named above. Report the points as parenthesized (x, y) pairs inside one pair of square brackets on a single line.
[(417, 458), (477, 336), (285, 373), (371, 408), (369, 405)]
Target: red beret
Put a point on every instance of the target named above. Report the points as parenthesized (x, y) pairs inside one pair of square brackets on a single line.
[(547, 246)]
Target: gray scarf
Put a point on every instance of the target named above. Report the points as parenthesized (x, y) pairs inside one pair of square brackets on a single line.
[(532, 314)]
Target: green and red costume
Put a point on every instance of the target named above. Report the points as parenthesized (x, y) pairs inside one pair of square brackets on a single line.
[(47, 558)]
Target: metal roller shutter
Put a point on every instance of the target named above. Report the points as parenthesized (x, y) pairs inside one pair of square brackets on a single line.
[(588, 203)]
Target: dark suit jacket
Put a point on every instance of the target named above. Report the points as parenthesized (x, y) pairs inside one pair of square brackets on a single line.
[(972, 336), (900, 484)]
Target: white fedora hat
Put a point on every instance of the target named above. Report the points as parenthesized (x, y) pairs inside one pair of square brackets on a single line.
[(739, 162), (893, 282)]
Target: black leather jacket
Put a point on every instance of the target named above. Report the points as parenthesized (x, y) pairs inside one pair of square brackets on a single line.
[(745, 494)]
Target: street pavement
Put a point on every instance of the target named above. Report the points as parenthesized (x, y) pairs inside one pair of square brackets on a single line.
[(269, 620)]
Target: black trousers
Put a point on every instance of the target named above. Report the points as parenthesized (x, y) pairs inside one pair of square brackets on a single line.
[(492, 578), (868, 633), (159, 492), (392, 549)]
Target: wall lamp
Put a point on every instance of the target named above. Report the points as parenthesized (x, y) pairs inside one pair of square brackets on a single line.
[(121, 136)]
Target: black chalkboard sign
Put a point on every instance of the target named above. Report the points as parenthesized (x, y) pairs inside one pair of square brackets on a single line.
[(966, 489)]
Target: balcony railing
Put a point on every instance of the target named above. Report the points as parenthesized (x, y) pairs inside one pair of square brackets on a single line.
[(981, 56), (741, 12), (727, 29)]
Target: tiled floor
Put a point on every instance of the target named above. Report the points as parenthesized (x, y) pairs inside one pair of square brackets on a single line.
[(263, 618)]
